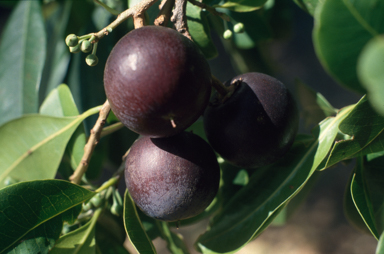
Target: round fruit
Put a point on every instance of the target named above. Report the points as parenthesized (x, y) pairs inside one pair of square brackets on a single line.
[(256, 125), (172, 178), (157, 81)]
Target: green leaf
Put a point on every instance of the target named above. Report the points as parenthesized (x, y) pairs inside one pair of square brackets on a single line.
[(22, 54), (314, 106), (32, 146), (256, 28), (58, 55), (41, 239), (366, 128), (350, 210), (27, 205), (370, 71), (380, 245), (110, 234), (342, 28), (242, 5), (60, 103), (200, 30), (134, 228), (361, 198), (268, 190), (307, 5), (175, 243), (79, 241)]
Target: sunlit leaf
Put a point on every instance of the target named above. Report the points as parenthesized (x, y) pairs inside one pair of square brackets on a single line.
[(269, 190), (79, 241), (380, 245), (370, 70), (200, 31), (22, 54), (27, 205), (32, 146), (60, 102), (342, 28), (134, 228), (242, 5), (365, 127)]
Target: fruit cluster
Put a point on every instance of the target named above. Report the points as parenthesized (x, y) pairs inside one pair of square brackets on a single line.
[(158, 83)]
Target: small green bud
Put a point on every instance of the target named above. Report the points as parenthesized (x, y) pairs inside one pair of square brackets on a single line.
[(96, 200), (86, 46), (227, 34), (238, 28), (117, 205), (87, 206), (71, 40), (75, 49), (91, 60)]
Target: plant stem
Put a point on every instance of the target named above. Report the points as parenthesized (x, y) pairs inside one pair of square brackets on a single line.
[(91, 144), (220, 87), (179, 17), (111, 129), (165, 13), (136, 11), (210, 9)]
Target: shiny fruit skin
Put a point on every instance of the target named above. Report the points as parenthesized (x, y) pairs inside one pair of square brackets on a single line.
[(256, 125), (173, 178), (157, 81)]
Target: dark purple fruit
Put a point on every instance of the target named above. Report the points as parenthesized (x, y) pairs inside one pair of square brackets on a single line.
[(157, 81), (256, 125), (172, 178)]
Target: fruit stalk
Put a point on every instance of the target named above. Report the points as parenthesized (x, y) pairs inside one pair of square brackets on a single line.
[(179, 17), (91, 144), (135, 11)]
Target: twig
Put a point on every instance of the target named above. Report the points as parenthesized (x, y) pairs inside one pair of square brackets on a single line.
[(179, 17), (136, 11), (210, 9), (91, 144), (165, 13)]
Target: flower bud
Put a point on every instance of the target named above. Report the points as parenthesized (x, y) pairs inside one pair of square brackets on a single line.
[(71, 40)]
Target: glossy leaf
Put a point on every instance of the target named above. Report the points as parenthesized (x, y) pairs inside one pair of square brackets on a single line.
[(134, 228), (370, 70), (200, 31), (60, 103), (380, 245), (58, 55), (110, 234), (242, 5), (27, 205), (41, 239), (366, 127), (342, 28), (79, 241), (175, 243), (362, 200), (279, 183), (32, 146), (22, 54), (350, 210)]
